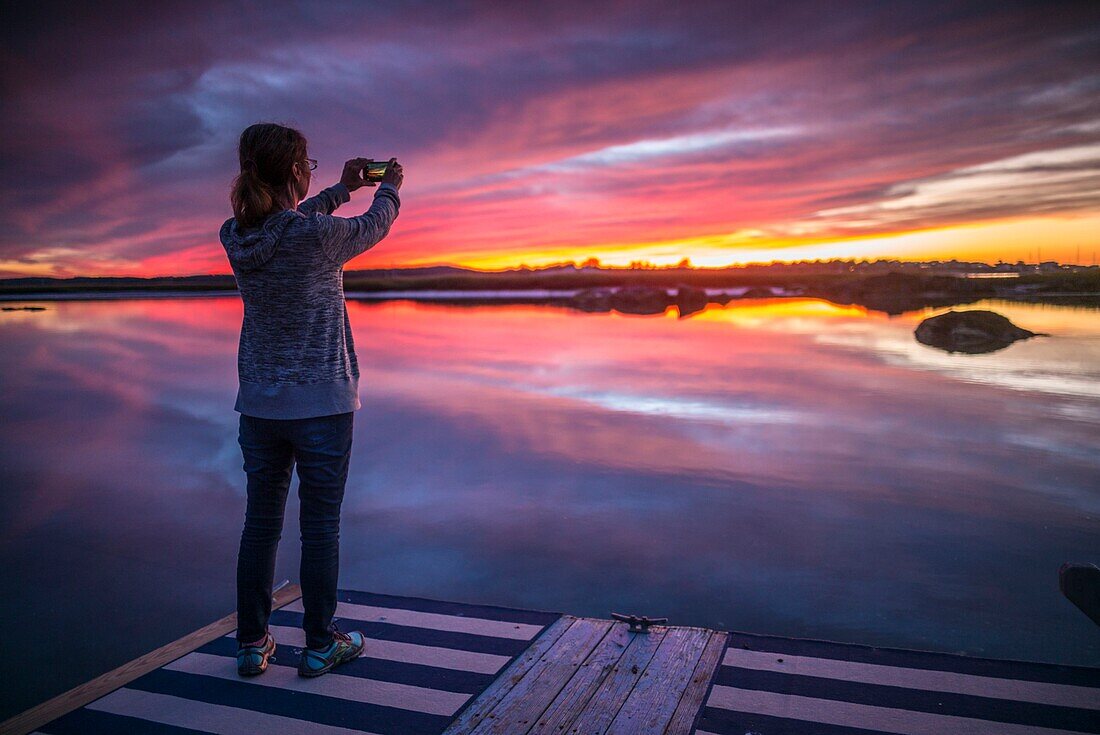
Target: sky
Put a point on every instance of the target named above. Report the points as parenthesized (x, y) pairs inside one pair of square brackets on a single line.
[(535, 133)]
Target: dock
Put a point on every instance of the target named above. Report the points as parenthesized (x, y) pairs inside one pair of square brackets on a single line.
[(434, 667)]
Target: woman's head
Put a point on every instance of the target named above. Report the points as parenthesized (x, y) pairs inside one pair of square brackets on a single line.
[(274, 172)]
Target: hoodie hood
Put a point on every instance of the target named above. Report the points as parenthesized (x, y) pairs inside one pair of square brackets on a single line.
[(249, 249)]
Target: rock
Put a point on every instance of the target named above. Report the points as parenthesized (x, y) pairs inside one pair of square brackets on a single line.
[(758, 292), (640, 300), (972, 332), (592, 299), (896, 293), (690, 299)]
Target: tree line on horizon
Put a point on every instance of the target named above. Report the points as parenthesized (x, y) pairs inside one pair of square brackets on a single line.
[(835, 265)]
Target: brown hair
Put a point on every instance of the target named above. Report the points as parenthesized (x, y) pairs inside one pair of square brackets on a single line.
[(268, 152)]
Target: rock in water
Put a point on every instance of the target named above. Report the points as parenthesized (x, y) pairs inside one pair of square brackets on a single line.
[(640, 300), (592, 299), (690, 299), (896, 293), (972, 332)]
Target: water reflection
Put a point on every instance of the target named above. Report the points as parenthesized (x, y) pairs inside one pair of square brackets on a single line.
[(783, 466)]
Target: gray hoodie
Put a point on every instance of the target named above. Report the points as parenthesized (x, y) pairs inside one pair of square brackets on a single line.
[(297, 357)]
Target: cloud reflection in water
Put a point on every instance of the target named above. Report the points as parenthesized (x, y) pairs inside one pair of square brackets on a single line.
[(780, 466)]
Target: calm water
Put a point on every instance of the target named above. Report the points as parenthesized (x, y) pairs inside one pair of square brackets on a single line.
[(780, 466)]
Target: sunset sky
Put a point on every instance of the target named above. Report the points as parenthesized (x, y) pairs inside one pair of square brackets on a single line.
[(542, 132)]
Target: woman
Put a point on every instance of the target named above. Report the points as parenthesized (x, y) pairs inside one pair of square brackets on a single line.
[(298, 376)]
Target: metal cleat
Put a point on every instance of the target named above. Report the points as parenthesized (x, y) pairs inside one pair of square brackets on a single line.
[(639, 624)]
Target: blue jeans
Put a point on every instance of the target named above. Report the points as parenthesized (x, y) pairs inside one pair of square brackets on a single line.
[(321, 447)]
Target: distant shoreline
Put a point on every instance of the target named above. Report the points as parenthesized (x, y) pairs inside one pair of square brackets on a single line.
[(437, 278), (881, 286), (112, 295), (416, 294), (891, 303)]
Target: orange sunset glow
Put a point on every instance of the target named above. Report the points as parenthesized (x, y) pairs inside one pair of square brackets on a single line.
[(537, 134)]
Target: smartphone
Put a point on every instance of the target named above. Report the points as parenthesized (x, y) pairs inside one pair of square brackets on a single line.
[(375, 170)]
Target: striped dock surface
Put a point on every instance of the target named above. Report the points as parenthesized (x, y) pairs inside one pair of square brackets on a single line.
[(424, 661), (783, 686), (434, 667)]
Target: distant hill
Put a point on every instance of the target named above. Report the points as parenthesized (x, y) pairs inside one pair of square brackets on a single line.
[(889, 281), (198, 283)]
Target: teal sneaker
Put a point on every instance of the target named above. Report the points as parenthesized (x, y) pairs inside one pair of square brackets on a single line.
[(344, 647), (252, 660)]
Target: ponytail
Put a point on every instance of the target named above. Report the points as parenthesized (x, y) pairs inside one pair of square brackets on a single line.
[(267, 153)]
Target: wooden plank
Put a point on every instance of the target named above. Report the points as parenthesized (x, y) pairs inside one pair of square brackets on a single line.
[(567, 706), (653, 700), (605, 703), (90, 691), (527, 700), (477, 710), (692, 700)]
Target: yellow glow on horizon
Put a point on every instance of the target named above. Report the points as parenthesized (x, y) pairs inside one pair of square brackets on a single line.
[(1071, 239), (1030, 239)]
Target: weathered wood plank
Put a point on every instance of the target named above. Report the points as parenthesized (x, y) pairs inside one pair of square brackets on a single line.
[(692, 700), (605, 703), (90, 691), (650, 705), (587, 680), (523, 705), (476, 712)]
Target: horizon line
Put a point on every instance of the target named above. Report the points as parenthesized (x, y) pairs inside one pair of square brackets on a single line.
[(644, 266)]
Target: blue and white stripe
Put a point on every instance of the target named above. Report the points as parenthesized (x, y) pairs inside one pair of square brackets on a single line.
[(779, 686), (425, 660)]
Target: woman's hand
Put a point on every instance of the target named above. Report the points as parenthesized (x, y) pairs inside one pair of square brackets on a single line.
[(394, 174), (353, 174)]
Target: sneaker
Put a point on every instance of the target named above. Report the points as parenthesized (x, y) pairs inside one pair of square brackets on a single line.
[(344, 647), (252, 660)]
